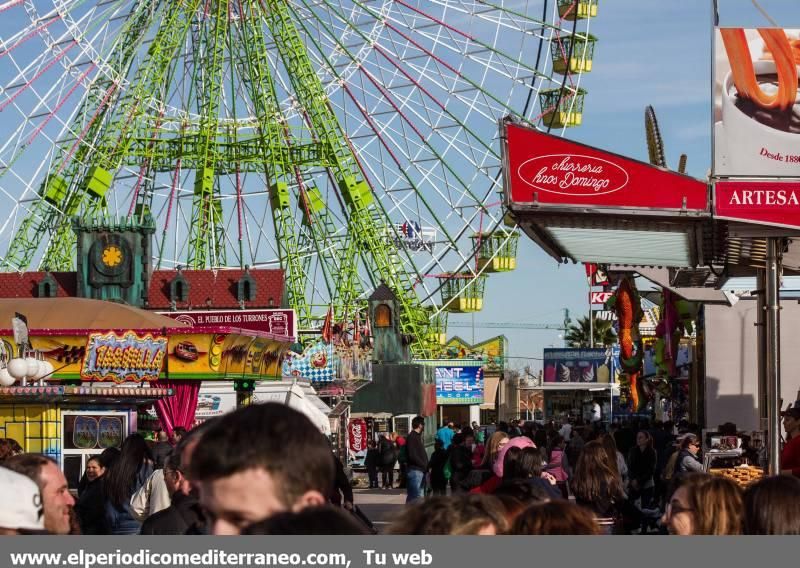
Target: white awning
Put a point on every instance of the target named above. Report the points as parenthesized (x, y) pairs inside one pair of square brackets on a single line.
[(298, 397), (218, 397)]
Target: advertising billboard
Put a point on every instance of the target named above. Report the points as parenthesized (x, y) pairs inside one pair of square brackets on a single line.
[(542, 169), (756, 113), (459, 384), (570, 365)]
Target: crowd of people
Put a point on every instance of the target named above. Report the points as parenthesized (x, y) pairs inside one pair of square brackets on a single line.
[(266, 469)]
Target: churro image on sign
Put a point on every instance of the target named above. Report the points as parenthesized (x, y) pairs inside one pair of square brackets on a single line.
[(757, 111)]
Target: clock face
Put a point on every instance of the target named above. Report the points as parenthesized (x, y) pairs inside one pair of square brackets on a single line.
[(112, 256)]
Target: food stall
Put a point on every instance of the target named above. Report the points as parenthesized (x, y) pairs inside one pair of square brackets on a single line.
[(104, 362), (738, 456)]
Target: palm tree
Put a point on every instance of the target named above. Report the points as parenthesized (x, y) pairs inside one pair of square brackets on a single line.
[(578, 333)]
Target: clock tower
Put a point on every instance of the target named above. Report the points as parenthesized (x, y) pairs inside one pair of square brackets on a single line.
[(114, 258)]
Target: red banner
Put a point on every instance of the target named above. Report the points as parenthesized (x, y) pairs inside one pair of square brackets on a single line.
[(357, 435), (548, 170), (766, 203)]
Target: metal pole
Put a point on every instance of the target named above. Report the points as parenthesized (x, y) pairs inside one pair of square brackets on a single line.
[(473, 329), (611, 403), (773, 360), (591, 318), (761, 342)]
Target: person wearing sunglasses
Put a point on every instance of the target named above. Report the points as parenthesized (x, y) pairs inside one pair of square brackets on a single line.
[(689, 455)]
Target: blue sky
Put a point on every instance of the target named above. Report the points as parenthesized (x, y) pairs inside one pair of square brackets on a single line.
[(649, 53)]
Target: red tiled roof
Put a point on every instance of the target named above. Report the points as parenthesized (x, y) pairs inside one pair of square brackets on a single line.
[(209, 289), (25, 284)]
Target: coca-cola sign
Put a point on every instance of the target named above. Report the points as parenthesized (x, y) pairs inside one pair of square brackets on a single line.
[(571, 174), (357, 430), (546, 170)]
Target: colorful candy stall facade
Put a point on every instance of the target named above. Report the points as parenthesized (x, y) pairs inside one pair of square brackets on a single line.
[(102, 379)]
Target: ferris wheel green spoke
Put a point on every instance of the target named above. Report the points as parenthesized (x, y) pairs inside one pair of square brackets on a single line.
[(258, 76), (234, 136), (444, 163), (332, 69), (206, 235), (347, 172), (262, 95)]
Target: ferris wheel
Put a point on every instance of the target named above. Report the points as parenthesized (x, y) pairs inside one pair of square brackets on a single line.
[(350, 142)]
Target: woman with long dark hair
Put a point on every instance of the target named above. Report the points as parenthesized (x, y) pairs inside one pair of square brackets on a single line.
[(616, 459), (123, 479), (597, 486)]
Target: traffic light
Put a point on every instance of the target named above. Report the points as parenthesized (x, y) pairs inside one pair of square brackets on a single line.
[(244, 385)]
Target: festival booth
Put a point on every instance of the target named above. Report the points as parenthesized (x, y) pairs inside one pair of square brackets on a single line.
[(575, 378), (582, 204), (98, 363), (336, 366), (459, 388)]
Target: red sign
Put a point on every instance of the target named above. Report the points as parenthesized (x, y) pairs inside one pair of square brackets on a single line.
[(766, 203), (599, 297), (547, 170), (279, 322), (595, 275), (357, 434)]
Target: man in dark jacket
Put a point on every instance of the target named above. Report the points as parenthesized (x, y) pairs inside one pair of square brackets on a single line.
[(371, 462), (417, 460), (388, 459), (184, 515), (460, 458)]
